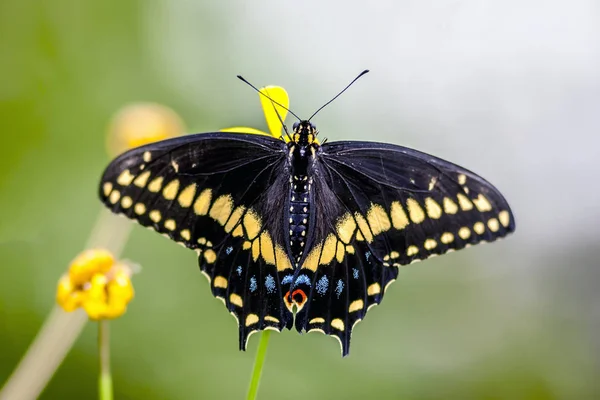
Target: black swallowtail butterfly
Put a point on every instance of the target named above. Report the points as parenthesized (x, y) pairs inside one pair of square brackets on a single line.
[(299, 227)]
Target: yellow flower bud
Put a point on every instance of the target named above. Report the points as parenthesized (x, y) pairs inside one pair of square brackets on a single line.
[(142, 123)]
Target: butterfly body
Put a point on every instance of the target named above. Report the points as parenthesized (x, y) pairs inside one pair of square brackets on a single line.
[(301, 233)]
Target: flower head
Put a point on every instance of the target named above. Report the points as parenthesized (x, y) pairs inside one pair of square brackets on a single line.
[(271, 111), (142, 123), (97, 283)]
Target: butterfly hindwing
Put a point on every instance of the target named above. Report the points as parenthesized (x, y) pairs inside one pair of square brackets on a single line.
[(211, 193)]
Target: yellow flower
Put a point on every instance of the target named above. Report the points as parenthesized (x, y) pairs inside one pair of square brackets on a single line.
[(97, 283), (271, 110), (142, 123)]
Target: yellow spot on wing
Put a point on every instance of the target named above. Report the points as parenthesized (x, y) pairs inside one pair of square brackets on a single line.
[(374, 289), (364, 227), (139, 208), (142, 179), (417, 215), (266, 248), (170, 191), (434, 210), (203, 202), (464, 202), (238, 231), (493, 225), (114, 196), (156, 184), (317, 320), (147, 156), (255, 249), (356, 305), (220, 282), (271, 319), (185, 234), (345, 228), (186, 197), (126, 202), (462, 179), (399, 218), (210, 256), (464, 233), (450, 206), (430, 244), (412, 250), (378, 219), (107, 188), (312, 260), (482, 203), (328, 250), (504, 218), (252, 223), (394, 255), (235, 217), (447, 237), (125, 178), (221, 209), (155, 216), (170, 224), (283, 262), (338, 324), (339, 252), (236, 300), (251, 319), (479, 228)]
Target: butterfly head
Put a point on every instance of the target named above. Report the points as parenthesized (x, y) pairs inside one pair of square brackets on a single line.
[(305, 133)]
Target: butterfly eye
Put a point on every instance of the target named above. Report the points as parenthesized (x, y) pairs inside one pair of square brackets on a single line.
[(295, 126)]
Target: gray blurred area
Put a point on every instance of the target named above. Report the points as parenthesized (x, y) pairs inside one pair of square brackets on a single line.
[(510, 90)]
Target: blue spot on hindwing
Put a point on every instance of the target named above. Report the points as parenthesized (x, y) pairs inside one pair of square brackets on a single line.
[(367, 255), (322, 285), (287, 279), (302, 279), (339, 288), (354, 273), (253, 284), (228, 250), (239, 270), (270, 284)]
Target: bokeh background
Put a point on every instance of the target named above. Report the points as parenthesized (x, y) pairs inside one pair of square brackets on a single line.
[(509, 89)]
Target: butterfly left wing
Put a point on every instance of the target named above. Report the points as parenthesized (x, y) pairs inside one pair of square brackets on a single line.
[(219, 194), (387, 206)]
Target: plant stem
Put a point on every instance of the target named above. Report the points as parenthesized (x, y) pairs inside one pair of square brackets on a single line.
[(105, 386), (261, 353)]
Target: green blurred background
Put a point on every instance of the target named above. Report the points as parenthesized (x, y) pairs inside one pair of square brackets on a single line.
[(508, 89)]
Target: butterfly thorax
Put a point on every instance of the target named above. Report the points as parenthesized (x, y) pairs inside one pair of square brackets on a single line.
[(302, 150)]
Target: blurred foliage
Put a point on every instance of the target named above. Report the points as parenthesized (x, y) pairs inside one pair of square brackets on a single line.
[(451, 328)]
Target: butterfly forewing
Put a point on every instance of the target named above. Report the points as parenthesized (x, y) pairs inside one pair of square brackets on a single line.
[(214, 193)]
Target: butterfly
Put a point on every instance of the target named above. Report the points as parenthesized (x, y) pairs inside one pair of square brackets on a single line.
[(302, 233)]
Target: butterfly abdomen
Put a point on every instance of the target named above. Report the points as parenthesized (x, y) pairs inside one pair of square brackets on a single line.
[(299, 206)]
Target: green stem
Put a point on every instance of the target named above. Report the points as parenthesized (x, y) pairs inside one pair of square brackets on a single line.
[(105, 386), (261, 353)]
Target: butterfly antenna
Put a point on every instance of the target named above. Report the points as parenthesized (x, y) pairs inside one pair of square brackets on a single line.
[(263, 94), (338, 95)]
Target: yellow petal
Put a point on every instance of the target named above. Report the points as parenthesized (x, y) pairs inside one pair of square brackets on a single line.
[(245, 129), (88, 263), (278, 94)]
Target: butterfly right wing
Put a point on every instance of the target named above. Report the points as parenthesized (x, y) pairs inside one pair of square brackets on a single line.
[(219, 194)]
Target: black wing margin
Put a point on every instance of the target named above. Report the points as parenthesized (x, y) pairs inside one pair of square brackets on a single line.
[(214, 193), (394, 206)]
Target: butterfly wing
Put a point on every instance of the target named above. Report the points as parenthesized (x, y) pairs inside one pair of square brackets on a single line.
[(387, 206), (218, 194)]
